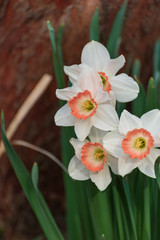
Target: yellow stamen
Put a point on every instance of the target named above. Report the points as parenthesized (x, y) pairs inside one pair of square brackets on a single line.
[(140, 143), (88, 105)]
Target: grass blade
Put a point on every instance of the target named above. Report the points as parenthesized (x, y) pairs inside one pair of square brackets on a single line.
[(94, 28), (156, 61), (115, 34), (151, 99), (35, 175), (34, 197), (57, 57)]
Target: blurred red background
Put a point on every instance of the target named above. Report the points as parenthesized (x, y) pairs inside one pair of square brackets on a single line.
[(25, 55)]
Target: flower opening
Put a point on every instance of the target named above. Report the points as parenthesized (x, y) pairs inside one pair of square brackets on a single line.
[(138, 143), (106, 84), (93, 156), (83, 105)]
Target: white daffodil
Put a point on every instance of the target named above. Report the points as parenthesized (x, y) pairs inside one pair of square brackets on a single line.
[(90, 161), (87, 106), (134, 144), (96, 56)]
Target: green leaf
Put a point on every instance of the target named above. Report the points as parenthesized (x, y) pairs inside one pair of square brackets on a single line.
[(94, 28), (34, 196), (138, 105), (157, 171), (151, 99), (35, 175), (156, 62), (57, 54), (115, 34)]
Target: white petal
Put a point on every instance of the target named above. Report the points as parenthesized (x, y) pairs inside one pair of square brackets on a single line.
[(63, 116), (96, 135), (113, 163), (112, 100), (102, 97), (124, 87), (82, 128), (77, 170), (102, 178), (73, 72), (156, 141), (90, 80), (105, 118), (112, 142), (147, 164), (114, 65), (77, 146), (67, 93), (151, 122), (126, 164), (95, 55), (128, 122)]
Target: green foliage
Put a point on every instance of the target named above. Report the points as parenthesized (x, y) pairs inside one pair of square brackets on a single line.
[(31, 191), (114, 38), (94, 28), (151, 98)]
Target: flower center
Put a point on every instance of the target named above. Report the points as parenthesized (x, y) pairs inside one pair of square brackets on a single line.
[(93, 156), (88, 105), (83, 105), (106, 84), (138, 143)]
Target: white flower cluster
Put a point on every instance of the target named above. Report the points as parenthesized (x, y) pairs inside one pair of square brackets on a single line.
[(104, 140)]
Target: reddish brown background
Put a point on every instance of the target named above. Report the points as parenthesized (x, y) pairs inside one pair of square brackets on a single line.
[(25, 55)]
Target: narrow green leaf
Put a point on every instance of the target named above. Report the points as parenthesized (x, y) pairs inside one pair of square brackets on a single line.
[(59, 44), (157, 171), (151, 99), (120, 107), (115, 34), (34, 197), (35, 175), (57, 56), (138, 105), (136, 68), (156, 61), (94, 28)]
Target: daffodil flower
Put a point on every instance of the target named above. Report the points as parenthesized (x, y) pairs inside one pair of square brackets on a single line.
[(90, 160), (87, 105), (134, 144), (96, 56)]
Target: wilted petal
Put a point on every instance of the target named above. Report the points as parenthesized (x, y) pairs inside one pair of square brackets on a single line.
[(82, 128), (126, 164), (128, 122), (105, 118), (77, 170), (114, 65), (112, 142), (95, 55), (102, 178), (151, 122), (63, 116), (124, 87)]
